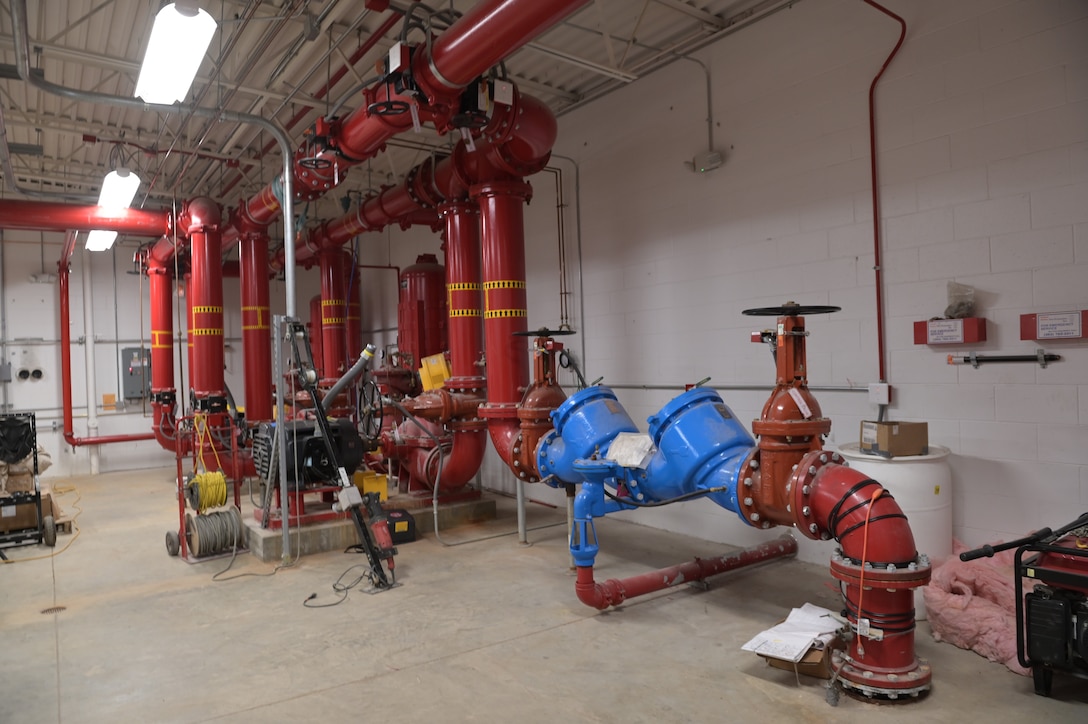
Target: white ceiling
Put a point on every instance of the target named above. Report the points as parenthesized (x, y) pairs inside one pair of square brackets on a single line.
[(275, 59)]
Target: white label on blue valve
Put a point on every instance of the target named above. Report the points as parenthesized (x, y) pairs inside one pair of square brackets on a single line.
[(801, 404), (631, 450)]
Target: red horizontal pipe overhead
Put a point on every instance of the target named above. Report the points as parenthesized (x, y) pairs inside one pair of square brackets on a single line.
[(364, 48), (50, 216), (614, 591), (488, 33)]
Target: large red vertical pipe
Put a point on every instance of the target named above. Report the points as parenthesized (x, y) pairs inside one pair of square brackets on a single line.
[(463, 288), (315, 333), (354, 324), (202, 219), (502, 229), (256, 334), (162, 328), (333, 312), (502, 232)]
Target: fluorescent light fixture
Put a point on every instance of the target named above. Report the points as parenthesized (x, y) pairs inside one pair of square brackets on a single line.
[(181, 34), (118, 189)]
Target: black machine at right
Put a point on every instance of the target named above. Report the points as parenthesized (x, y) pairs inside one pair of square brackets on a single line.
[(1052, 619)]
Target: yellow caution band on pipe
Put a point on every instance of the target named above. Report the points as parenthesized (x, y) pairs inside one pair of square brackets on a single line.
[(207, 310), (503, 313), (206, 332), (464, 313)]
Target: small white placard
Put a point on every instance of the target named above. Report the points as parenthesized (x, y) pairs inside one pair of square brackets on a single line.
[(631, 449), (806, 412), (8, 511), (1058, 325), (868, 433), (944, 331)]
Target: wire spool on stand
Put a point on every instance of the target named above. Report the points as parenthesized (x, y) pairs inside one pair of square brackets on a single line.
[(206, 491), (213, 533)]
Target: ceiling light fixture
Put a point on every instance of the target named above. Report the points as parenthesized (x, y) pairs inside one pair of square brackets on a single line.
[(118, 189), (181, 34)]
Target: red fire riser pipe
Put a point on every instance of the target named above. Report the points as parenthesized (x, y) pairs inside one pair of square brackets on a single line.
[(613, 592), (162, 354), (492, 30), (256, 330), (333, 312), (354, 325), (316, 334), (200, 219)]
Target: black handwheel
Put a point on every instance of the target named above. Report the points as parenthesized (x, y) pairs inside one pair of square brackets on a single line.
[(545, 332), (789, 309), (49, 531), (388, 108), (370, 410), (173, 542)]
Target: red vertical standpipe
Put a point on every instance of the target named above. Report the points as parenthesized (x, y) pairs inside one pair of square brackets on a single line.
[(354, 325), (503, 240), (463, 291), (256, 334), (333, 311), (162, 348), (206, 301), (421, 309), (315, 333)]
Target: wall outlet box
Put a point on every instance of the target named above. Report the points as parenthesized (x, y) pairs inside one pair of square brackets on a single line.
[(880, 393), (894, 439)]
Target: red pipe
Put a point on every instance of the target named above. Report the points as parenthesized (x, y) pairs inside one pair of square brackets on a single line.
[(256, 334), (316, 335), (50, 216), (333, 312), (200, 219), (353, 331), (335, 78), (66, 367), (162, 354), (463, 292), (880, 334), (614, 591), (879, 567), (489, 32), (502, 226)]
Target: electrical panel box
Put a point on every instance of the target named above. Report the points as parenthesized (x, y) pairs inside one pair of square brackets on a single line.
[(136, 373)]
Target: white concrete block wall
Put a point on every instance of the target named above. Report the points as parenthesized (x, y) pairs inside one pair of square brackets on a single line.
[(982, 128)]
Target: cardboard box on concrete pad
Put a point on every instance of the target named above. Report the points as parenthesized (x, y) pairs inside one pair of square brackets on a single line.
[(894, 439), (22, 515)]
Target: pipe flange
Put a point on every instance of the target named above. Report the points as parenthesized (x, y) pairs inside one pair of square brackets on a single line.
[(889, 576), (872, 683), (748, 482), (801, 487)]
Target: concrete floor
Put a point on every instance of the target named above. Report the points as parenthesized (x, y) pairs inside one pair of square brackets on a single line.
[(484, 632)]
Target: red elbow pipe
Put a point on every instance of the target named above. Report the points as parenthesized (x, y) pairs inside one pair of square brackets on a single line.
[(452, 469), (614, 591)]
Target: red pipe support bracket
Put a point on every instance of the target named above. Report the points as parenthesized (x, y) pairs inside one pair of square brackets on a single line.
[(613, 592)]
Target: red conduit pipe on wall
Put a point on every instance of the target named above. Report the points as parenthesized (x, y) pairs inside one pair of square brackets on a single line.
[(614, 591), (256, 330), (66, 357), (878, 271)]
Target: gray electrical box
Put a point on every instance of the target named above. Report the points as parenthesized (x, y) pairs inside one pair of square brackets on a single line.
[(136, 373)]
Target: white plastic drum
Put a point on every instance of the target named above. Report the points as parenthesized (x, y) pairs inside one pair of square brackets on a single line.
[(922, 485)]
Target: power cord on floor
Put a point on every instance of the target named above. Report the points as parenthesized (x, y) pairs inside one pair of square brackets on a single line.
[(342, 589)]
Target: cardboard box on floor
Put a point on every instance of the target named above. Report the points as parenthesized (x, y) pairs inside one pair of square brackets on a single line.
[(23, 515), (815, 662), (894, 439)]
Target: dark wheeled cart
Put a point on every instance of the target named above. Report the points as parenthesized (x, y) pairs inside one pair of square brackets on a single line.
[(18, 440)]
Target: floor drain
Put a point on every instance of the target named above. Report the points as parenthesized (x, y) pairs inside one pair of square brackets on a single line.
[(55, 609)]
